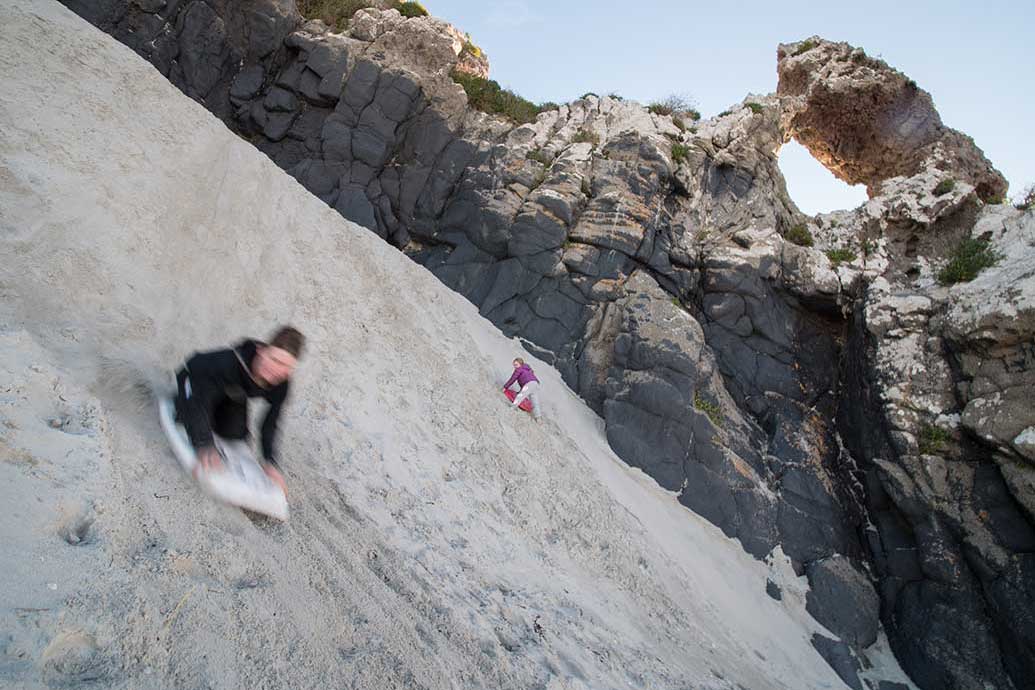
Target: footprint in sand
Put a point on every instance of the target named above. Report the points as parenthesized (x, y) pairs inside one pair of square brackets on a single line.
[(73, 658), (77, 526)]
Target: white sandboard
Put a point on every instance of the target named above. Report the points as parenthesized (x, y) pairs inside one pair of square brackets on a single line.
[(241, 483)]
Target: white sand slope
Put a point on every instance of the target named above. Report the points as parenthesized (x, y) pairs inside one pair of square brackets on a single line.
[(437, 540)]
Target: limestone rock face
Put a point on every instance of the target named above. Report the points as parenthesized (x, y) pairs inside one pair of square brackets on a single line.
[(845, 406)]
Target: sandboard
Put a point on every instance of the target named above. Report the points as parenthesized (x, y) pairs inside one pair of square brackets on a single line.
[(525, 405), (241, 483)]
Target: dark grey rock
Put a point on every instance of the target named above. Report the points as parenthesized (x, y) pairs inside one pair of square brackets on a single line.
[(280, 100), (318, 176), (309, 125), (395, 104), (374, 120), (337, 139), (327, 57), (277, 125), (267, 29), (353, 204), (361, 85), (309, 88), (369, 147), (843, 600), (248, 82), (289, 78), (203, 48), (362, 174), (773, 590), (840, 657)]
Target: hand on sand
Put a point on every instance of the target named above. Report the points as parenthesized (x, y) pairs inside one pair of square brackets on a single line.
[(208, 461), (275, 476)]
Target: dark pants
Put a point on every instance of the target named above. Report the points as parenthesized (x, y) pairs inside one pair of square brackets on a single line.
[(229, 417)]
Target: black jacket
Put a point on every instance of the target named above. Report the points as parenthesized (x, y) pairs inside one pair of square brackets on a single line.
[(218, 378)]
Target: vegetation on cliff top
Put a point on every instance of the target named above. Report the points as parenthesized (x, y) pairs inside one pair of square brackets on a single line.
[(337, 13), (489, 97)]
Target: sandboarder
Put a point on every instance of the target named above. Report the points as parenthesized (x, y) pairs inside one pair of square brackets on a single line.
[(213, 389), (529, 385)]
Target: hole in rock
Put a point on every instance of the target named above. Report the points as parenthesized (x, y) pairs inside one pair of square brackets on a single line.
[(814, 188)]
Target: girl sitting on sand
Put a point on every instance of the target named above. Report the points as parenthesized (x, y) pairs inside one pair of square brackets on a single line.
[(529, 384)]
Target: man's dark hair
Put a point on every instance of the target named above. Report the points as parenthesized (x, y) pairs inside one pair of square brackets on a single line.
[(289, 339)]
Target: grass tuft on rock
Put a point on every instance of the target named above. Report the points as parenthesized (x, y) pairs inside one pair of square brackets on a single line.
[(411, 8), (933, 439), (712, 410), (756, 108), (799, 235), (970, 258), (840, 255), (539, 156), (804, 47), (679, 153), (586, 136), (945, 186)]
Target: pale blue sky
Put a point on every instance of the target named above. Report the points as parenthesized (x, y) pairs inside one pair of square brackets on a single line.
[(976, 60)]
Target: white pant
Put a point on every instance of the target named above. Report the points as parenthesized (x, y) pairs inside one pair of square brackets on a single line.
[(529, 390)]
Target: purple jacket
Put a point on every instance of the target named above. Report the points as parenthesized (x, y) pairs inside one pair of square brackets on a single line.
[(523, 374)]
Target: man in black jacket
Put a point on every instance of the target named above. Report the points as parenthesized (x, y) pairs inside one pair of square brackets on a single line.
[(214, 387)]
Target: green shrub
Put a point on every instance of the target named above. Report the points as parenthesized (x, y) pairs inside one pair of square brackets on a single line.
[(711, 409), (539, 156), (867, 247), (337, 13), (548, 105), (586, 136), (839, 255), (588, 94), (487, 96), (932, 439), (411, 8), (945, 186), (804, 47), (971, 256), (470, 48), (674, 103), (724, 113), (679, 153), (586, 187), (799, 235), (615, 96), (539, 179), (680, 125), (756, 108), (694, 115), (693, 130), (334, 13)]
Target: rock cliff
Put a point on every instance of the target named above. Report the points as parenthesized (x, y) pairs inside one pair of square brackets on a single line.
[(828, 395)]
